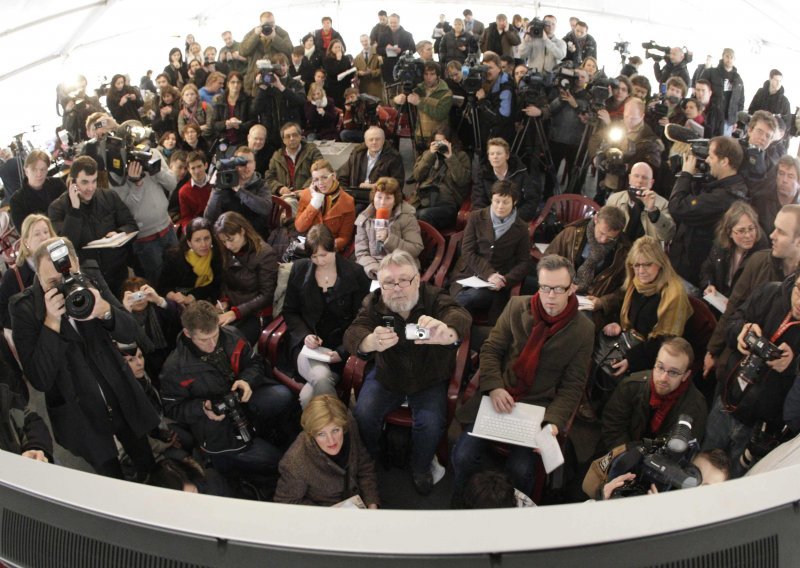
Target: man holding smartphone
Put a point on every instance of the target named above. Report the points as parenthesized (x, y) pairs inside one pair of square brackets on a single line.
[(646, 212)]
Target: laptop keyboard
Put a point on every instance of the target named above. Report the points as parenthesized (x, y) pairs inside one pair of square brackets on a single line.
[(507, 427)]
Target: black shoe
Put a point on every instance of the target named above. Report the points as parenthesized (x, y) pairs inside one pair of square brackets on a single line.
[(423, 482)]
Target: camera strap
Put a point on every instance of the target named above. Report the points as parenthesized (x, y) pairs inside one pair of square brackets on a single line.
[(785, 324)]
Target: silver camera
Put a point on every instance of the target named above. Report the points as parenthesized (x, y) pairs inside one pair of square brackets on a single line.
[(138, 296), (414, 332)]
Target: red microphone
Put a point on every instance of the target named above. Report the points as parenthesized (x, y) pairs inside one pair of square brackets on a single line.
[(382, 222)]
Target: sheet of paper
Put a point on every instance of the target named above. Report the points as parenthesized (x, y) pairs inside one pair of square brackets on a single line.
[(474, 282), (542, 247), (344, 74), (354, 502), (584, 303), (374, 286), (111, 242), (319, 354), (549, 450), (717, 300)]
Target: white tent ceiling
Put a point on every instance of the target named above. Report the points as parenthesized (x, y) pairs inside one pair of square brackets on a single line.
[(46, 41)]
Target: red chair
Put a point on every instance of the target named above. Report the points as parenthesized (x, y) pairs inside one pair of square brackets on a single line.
[(461, 217), (502, 449), (567, 208), (269, 347), (697, 332), (354, 373), (281, 211), (431, 256)]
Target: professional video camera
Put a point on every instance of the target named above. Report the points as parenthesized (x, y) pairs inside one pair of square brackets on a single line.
[(700, 148), (409, 71), (598, 92), (662, 52), (131, 144), (227, 175), (75, 287), (659, 110), (622, 46), (566, 77), (535, 28), (664, 462), (474, 75), (533, 87), (265, 71), (229, 405)]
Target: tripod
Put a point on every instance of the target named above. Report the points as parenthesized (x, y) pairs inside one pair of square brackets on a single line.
[(577, 173), (543, 159), (470, 114)]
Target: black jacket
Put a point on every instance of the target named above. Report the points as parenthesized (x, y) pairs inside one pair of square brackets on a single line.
[(663, 74), (253, 201), (105, 212), (390, 164), (187, 382), (27, 200), (767, 307), (168, 123), (21, 429), (78, 370), (775, 104), (529, 186), (717, 76), (696, 211), (180, 277), (303, 307), (274, 108), (9, 285), (242, 110), (717, 266), (319, 44)]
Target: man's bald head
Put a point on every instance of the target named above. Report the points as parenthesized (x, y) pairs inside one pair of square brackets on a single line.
[(641, 176), (256, 137)]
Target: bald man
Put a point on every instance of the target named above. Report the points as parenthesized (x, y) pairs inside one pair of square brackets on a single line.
[(646, 212), (257, 142)]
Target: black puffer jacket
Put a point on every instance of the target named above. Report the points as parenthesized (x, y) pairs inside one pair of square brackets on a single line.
[(669, 70), (529, 186), (774, 103), (717, 76)]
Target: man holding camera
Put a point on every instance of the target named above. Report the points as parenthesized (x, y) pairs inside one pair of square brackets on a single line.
[(753, 386), (278, 101), (647, 213), (262, 42), (697, 207), (219, 386), (85, 213), (432, 99), (249, 197), (524, 361), (443, 181), (64, 327), (542, 49), (495, 102), (674, 67), (412, 331), (648, 404)]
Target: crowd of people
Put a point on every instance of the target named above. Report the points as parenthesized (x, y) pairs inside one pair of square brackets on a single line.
[(147, 347)]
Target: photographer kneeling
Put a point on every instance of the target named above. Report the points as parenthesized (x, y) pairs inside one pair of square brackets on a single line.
[(443, 176), (217, 385)]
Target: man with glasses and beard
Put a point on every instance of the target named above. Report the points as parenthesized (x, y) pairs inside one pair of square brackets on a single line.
[(416, 370)]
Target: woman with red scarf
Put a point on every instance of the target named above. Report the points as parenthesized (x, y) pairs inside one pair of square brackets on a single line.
[(539, 352)]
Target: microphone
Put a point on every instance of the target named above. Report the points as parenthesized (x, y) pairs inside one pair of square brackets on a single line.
[(381, 222)]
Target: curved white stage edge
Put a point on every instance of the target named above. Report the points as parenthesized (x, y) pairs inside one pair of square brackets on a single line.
[(49, 512)]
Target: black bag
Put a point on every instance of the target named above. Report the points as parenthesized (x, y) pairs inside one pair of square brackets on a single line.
[(612, 350), (395, 446)]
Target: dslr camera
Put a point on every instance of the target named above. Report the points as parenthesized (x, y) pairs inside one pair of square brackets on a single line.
[(266, 29), (75, 287), (227, 176), (414, 332), (265, 71), (751, 369), (229, 405), (765, 438)]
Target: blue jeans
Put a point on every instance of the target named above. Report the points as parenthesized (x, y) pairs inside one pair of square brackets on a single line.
[(151, 254), (725, 432), (476, 299), (469, 454), (440, 216), (352, 136), (261, 457), (428, 410)]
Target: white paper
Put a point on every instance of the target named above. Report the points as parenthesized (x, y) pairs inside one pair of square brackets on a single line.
[(542, 247), (319, 354), (344, 74), (717, 300), (584, 303), (549, 450), (475, 282), (374, 286), (111, 242), (392, 51), (354, 502)]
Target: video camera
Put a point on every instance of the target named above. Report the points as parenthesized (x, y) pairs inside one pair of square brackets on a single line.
[(474, 75), (229, 405), (533, 87), (566, 77), (535, 28), (75, 287), (651, 46), (227, 175), (265, 71), (409, 71), (130, 144), (598, 92), (622, 47), (699, 147), (664, 462)]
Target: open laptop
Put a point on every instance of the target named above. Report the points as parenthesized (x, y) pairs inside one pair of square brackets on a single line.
[(519, 427)]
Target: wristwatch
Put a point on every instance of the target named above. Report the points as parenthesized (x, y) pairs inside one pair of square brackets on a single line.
[(107, 316)]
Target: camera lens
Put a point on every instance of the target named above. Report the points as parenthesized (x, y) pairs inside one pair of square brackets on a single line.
[(79, 303)]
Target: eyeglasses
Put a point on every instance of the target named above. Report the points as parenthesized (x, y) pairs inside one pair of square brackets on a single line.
[(557, 290), (640, 265), (744, 231), (671, 373), (402, 283)]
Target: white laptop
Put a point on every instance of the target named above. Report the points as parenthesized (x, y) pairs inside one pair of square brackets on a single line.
[(519, 427)]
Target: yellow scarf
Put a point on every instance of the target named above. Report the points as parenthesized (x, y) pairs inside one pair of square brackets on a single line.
[(674, 309), (201, 265)]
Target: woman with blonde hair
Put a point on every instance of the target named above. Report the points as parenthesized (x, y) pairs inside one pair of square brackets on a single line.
[(328, 462), (322, 118), (655, 305)]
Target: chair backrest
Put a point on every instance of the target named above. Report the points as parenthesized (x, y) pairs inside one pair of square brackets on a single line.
[(450, 258), (431, 256), (280, 211), (699, 328), (567, 208)]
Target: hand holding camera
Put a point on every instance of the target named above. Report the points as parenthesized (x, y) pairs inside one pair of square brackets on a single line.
[(244, 389), (689, 163), (438, 332)]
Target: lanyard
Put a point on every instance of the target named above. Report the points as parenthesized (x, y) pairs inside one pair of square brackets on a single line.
[(785, 324)]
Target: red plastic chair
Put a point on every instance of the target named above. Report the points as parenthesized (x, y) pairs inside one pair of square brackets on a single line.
[(354, 373), (431, 256), (450, 256), (281, 211), (461, 217), (568, 208)]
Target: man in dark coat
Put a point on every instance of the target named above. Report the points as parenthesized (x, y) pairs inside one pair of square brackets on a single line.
[(697, 208), (648, 404), (674, 67), (90, 392), (393, 42), (369, 161), (22, 431), (325, 35), (85, 213), (727, 88), (279, 102), (771, 97)]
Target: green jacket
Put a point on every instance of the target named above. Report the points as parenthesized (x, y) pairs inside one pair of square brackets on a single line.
[(277, 174), (433, 108)]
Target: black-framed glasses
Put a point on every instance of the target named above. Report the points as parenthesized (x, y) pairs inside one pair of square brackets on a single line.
[(557, 290), (671, 373), (402, 283)]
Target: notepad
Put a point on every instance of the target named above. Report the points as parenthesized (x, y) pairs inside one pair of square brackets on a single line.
[(319, 354), (344, 74), (475, 282), (111, 242), (717, 300), (584, 303)]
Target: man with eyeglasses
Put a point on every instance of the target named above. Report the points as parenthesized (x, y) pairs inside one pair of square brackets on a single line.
[(697, 207), (648, 404), (539, 352), (290, 167), (783, 190), (250, 197), (750, 396), (412, 370)]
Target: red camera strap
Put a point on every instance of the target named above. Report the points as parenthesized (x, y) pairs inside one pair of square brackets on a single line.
[(785, 324)]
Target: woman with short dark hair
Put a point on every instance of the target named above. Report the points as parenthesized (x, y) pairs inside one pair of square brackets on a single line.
[(193, 268)]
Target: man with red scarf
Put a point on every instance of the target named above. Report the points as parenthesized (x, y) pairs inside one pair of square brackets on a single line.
[(647, 404), (539, 353)]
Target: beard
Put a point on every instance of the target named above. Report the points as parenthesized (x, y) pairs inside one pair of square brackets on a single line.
[(402, 305)]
